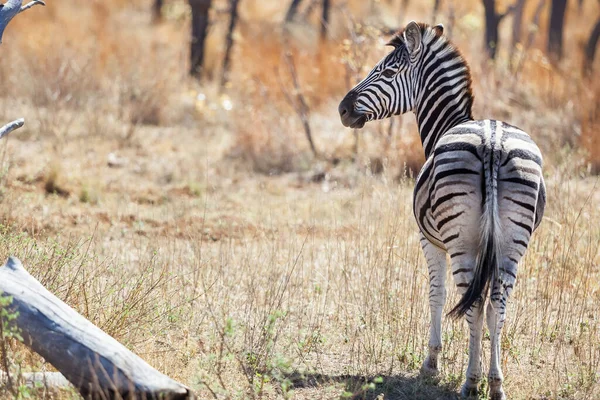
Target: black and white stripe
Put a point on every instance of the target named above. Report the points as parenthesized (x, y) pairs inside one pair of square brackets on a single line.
[(479, 196)]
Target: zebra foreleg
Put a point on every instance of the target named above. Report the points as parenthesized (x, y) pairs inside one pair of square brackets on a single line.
[(496, 315), (436, 264)]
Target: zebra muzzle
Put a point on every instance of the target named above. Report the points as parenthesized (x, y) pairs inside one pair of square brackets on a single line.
[(348, 115)]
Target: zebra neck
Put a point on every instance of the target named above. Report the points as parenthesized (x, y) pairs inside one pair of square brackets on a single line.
[(438, 115), (444, 97)]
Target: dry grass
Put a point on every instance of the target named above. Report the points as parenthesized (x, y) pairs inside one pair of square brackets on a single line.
[(198, 229)]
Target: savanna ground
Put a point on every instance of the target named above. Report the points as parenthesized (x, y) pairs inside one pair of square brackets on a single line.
[(198, 229)]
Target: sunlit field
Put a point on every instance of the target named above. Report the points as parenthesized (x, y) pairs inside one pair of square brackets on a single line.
[(194, 224)]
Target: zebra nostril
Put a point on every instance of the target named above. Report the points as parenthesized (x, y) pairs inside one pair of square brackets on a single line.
[(345, 108)]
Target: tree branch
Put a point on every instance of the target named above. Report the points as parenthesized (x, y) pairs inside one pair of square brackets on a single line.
[(12, 8), (31, 4), (11, 126)]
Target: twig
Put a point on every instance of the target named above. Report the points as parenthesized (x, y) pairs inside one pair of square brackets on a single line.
[(301, 107), (31, 4), (11, 126)]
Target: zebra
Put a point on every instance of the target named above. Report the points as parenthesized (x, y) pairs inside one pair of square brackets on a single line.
[(478, 197)]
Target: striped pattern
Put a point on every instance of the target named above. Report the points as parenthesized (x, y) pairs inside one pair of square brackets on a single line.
[(479, 196)]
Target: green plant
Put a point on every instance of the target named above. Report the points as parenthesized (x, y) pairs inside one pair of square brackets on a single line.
[(8, 333)]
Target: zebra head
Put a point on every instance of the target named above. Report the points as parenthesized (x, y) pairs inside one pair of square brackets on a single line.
[(389, 88)]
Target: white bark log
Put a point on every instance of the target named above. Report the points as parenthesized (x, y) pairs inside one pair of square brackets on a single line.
[(95, 363)]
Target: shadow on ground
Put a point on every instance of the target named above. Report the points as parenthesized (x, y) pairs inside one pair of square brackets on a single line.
[(396, 387)]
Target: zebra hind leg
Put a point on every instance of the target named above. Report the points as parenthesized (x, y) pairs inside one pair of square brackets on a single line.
[(475, 320), (463, 267), (436, 264), (496, 315)]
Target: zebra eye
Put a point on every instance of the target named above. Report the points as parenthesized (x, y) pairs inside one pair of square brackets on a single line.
[(388, 73)]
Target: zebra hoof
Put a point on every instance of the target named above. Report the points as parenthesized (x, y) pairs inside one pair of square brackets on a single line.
[(495, 384), (429, 368), (469, 392), (497, 394)]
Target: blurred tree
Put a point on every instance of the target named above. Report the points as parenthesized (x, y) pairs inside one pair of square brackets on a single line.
[(556, 26), (451, 20), (404, 6), (590, 48), (156, 10), (436, 9), (325, 11), (233, 17), (292, 10), (492, 20), (309, 8), (325, 19), (533, 30), (200, 21)]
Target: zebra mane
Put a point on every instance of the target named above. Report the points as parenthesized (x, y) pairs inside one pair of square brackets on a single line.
[(430, 34), (433, 37)]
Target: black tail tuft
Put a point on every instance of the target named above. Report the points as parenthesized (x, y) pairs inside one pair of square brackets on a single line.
[(485, 270)]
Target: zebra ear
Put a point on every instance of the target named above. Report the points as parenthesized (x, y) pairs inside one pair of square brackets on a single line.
[(439, 28), (412, 37)]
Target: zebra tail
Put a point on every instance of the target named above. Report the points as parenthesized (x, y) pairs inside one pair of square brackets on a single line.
[(487, 266)]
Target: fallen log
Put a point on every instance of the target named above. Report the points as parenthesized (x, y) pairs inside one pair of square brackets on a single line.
[(49, 380), (97, 365)]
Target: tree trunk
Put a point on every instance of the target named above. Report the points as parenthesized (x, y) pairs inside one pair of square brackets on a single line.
[(491, 27), (200, 21), (555, 29), (233, 4), (157, 10), (325, 19), (292, 10), (590, 48)]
